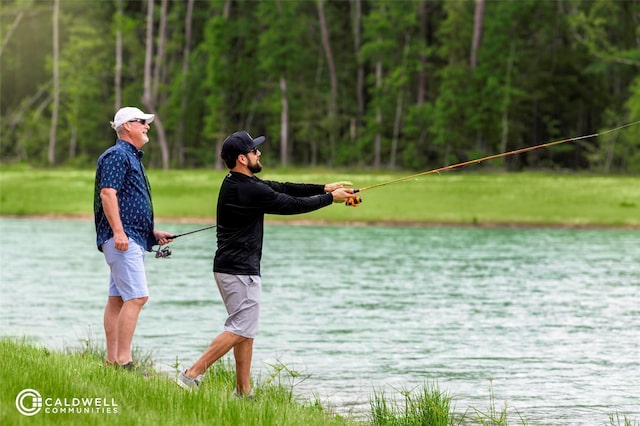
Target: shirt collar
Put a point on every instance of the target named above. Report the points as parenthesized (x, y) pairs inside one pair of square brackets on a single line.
[(128, 145)]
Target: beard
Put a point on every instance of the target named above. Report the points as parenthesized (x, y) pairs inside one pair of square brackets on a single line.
[(255, 167), (145, 138)]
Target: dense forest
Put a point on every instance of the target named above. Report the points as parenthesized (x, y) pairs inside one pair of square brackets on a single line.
[(375, 84)]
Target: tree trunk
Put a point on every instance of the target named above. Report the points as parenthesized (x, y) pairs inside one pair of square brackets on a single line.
[(160, 55), (397, 122), (396, 129), (226, 11), (610, 154), (73, 141), (56, 82), (421, 93), (475, 46), (186, 53), (477, 32), (506, 102), (284, 122), (117, 78), (148, 57), (357, 23), (377, 144), (147, 98), (333, 77)]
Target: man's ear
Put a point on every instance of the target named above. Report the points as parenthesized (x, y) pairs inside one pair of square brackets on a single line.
[(242, 158)]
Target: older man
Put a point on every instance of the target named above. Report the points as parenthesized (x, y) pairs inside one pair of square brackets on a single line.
[(125, 230)]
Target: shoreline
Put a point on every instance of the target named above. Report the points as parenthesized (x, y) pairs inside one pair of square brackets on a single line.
[(376, 223)]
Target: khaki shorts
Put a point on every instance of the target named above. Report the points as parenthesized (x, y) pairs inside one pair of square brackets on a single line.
[(241, 295)]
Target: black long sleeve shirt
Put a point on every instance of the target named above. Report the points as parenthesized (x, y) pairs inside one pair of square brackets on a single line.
[(242, 203)]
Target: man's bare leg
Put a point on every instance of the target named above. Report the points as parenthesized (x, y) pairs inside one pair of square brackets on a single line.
[(127, 321), (242, 352), (111, 314), (216, 350)]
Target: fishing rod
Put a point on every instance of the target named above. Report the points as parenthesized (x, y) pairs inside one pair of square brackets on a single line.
[(354, 202), (173, 237), (165, 252)]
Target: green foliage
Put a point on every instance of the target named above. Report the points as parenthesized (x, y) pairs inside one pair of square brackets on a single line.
[(545, 71), (428, 407)]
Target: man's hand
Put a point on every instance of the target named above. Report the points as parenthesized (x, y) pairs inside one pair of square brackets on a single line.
[(330, 187), (162, 237), (341, 195), (121, 241)]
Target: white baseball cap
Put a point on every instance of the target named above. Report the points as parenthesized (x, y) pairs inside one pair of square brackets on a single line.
[(128, 114)]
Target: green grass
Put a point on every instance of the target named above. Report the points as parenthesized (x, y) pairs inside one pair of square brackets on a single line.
[(457, 197), (428, 407), (134, 399)]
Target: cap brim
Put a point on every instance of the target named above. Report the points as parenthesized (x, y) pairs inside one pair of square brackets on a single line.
[(148, 117), (257, 141)]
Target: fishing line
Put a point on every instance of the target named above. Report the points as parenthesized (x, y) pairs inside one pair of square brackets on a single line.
[(355, 201)]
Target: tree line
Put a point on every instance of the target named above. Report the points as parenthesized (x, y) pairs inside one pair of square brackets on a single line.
[(382, 84)]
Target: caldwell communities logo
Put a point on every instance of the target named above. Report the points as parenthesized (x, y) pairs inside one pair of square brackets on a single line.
[(30, 402)]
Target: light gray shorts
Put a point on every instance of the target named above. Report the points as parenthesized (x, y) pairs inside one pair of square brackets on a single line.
[(241, 295), (128, 279)]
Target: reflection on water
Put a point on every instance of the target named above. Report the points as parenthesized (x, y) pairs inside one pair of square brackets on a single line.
[(549, 319)]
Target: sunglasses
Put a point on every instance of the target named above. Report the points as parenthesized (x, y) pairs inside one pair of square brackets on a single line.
[(139, 120), (254, 150)]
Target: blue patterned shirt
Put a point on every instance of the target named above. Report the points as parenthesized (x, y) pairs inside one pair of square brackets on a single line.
[(120, 168)]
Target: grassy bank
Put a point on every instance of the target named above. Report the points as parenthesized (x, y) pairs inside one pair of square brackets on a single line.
[(458, 197), (129, 398), (76, 388), (64, 381)]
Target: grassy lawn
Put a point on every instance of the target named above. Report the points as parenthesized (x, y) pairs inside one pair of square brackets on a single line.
[(456, 197)]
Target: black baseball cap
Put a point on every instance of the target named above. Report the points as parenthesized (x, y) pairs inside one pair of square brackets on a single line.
[(239, 143)]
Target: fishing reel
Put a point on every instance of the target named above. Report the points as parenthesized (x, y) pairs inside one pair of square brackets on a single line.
[(353, 202), (163, 252)]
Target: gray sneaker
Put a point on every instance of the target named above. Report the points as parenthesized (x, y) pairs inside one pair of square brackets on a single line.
[(187, 382)]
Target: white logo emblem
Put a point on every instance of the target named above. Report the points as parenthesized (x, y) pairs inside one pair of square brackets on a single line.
[(29, 409)]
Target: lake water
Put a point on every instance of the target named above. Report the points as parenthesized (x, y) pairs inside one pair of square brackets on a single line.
[(548, 320)]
